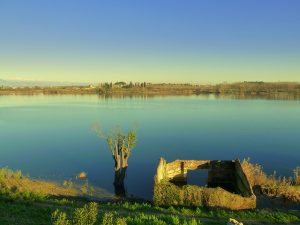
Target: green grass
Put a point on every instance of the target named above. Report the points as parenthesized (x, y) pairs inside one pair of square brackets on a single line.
[(19, 212), (29, 207), (88, 215), (260, 215), (12, 213)]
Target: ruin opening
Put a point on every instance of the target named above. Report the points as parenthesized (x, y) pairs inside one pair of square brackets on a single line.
[(198, 177)]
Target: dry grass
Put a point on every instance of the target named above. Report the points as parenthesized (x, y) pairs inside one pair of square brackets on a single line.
[(15, 181), (297, 175), (272, 185), (254, 172)]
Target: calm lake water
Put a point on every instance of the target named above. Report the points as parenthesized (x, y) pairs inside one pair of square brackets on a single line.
[(50, 137)]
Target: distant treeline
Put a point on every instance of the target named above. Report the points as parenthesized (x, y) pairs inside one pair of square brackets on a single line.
[(252, 88), (283, 89)]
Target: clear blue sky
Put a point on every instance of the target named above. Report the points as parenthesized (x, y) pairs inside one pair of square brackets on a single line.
[(150, 40)]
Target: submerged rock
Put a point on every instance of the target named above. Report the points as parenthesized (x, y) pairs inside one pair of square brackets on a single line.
[(81, 175)]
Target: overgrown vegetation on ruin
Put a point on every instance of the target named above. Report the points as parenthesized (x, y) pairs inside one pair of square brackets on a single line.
[(167, 194)]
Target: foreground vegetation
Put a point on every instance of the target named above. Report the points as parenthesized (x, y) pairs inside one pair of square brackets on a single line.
[(21, 204), (61, 212), (277, 90)]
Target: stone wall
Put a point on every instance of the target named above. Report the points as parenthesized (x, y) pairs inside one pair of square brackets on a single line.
[(242, 181), (227, 176)]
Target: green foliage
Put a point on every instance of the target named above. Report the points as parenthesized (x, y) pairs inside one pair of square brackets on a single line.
[(14, 194), (117, 140), (108, 218), (16, 213), (60, 218), (121, 221), (125, 141), (261, 215), (141, 219), (87, 215), (29, 207)]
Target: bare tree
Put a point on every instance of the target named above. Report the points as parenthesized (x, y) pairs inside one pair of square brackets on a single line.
[(120, 145)]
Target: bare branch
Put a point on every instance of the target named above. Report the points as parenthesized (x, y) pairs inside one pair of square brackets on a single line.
[(98, 131)]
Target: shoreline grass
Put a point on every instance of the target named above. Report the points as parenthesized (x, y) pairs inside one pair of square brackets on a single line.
[(22, 205)]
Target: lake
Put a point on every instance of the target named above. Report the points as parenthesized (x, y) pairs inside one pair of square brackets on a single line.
[(50, 137)]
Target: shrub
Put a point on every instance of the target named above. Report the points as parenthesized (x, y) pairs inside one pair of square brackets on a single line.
[(108, 218), (87, 215), (60, 218), (121, 221)]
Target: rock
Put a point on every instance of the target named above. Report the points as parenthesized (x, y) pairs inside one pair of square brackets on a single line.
[(234, 222), (82, 175)]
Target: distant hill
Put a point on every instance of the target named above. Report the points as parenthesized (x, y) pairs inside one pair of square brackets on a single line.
[(33, 83)]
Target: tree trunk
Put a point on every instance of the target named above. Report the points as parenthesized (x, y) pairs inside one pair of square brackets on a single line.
[(121, 164), (120, 175), (120, 190)]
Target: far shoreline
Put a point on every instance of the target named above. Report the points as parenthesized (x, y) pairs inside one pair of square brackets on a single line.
[(240, 90)]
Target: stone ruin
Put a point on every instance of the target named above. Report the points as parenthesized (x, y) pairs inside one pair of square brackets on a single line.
[(227, 185)]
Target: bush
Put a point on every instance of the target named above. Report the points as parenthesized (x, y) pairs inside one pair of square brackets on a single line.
[(108, 219), (87, 215), (60, 218)]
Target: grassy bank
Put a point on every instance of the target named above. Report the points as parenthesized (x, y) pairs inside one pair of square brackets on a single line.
[(26, 201), (15, 185)]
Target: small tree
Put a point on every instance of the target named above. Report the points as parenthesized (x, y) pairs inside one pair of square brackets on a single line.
[(120, 145)]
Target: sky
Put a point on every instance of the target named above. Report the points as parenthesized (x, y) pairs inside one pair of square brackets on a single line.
[(177, 41)]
